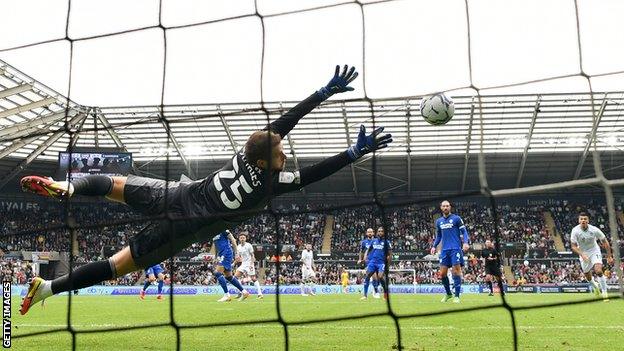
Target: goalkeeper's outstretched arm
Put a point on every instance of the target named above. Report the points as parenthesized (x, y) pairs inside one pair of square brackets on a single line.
[(286, 181), (338, 84)]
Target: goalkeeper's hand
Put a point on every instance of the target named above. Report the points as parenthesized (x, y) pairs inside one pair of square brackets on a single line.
[(368, 143), (339, 83)]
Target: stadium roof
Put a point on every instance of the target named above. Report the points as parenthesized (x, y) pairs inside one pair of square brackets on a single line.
[(551, 127), (549, 80)]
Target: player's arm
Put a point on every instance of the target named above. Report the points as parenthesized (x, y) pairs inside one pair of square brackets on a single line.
[(605, 244), (366, 253), (361, 254), (289, 181), (465, 236), (389, 256), (233, 243), (607, 247), (437, 240), (575, 247), (338, 84)]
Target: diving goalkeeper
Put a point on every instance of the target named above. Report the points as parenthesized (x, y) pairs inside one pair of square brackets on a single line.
[(208, 206)]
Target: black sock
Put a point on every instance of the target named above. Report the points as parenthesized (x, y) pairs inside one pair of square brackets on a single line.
[(93, 185), (84, 276), (491, 287)]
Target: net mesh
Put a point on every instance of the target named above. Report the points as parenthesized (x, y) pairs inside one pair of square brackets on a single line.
[(377, 200)]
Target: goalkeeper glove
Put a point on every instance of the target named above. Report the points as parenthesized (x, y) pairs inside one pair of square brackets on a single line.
[(368, 143), (339, 83)]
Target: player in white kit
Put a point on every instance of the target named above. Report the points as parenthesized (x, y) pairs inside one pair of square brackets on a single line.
[(308, 276), (247, 259), (583, 238)]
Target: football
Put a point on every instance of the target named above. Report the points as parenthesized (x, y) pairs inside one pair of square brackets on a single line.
[(437, 109)]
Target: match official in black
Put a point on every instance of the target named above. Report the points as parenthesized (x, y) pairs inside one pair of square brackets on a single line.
[(492, 266)]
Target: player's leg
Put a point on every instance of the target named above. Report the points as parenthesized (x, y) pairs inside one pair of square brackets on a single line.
[(488, 280), (312, 283), (84, 276), (587, 266), (303, 285), (601, 279), (457, 280), (375, 281), (382, 279), (367, 282), (250, 270), (445, 263), (238, 273), (457, 260), (161, 282), (256, 284), (223, 283), (227, 272), (149, 279), (93, 185), (369, 274)]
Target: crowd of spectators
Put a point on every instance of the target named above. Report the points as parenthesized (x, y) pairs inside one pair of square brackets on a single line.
[(410, 229)]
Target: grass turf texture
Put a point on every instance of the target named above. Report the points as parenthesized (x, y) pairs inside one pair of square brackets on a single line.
[(593, 326)]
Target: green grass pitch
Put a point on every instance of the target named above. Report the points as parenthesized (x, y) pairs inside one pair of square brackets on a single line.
[(595, 326)]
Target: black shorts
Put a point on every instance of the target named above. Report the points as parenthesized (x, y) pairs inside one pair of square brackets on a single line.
[(147, 195), (163, 238), (493, 270)]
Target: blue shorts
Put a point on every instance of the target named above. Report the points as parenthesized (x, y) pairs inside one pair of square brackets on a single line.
[(375, 267), (155, 270), (225, 259), (449, 258)]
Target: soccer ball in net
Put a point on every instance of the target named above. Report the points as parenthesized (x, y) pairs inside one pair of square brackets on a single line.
[(437, 109)]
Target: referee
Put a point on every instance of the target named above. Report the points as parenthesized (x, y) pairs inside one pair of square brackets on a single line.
[(491, 257)]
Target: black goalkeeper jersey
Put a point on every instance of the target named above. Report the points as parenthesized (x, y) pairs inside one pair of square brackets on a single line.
[(240, 186), (219, 201)]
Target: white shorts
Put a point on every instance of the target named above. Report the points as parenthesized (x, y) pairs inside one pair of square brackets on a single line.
[(307, 273), (594, 257), (248, 269)]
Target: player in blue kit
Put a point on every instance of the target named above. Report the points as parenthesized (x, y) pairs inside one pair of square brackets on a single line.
[(225, 246), (377, 256), (451, 231), (366, 243), (152, 274)]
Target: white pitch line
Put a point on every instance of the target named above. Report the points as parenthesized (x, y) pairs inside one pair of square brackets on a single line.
[(347, 327)]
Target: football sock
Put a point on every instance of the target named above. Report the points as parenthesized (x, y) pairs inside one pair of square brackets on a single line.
[(160, 286), (500, 286), (376, 285), (222, 281), (383, 285), (603, 283), (457, 284), (490, 286), (258, 288), (447, 284), (93, 185), (232, 279), (84, 276), (146, 285), (366, 284)]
